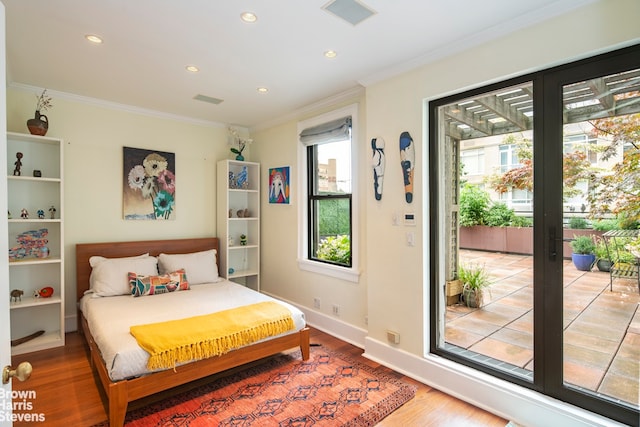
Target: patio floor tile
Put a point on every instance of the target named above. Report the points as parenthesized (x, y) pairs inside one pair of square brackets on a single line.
[(601, 327), (514, 354)]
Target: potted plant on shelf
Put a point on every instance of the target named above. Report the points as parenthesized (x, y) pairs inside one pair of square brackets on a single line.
[(602, 256), (474, 280), (583, 252)]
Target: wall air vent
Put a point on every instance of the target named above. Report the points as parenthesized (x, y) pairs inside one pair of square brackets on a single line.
[(209, 99), (351, 11)]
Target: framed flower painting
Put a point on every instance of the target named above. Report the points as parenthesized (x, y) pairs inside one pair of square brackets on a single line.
[(149, 185)]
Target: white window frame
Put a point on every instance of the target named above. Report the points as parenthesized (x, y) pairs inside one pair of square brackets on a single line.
[(351, 273)]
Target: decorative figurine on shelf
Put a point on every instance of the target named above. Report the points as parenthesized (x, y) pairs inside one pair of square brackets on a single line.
[(243, 178), (231, 270), (40, 214), (243, 240), (24, 214), (45, 292), (231, 241), (37, 173), (18, 163), (52, 211), (16, 295), (232, 180)]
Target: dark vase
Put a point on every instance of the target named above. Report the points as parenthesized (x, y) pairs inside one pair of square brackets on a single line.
[(240, 157), (583, 262), (604, 265), (39, 125)]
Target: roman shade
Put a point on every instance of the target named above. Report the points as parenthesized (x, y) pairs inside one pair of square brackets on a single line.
[(333, 131)]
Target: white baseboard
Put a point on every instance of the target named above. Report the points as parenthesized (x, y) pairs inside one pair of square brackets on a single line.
[(510, 401)]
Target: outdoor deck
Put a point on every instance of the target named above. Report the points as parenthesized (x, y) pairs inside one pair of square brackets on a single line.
[(601, 327)]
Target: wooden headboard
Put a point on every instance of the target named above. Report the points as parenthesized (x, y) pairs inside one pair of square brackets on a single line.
[(84, 251)]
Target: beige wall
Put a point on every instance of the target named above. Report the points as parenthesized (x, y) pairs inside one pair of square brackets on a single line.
[(94, 135), (392, 292)]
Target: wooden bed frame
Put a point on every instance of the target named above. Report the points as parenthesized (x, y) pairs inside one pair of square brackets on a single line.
[(120, 393)]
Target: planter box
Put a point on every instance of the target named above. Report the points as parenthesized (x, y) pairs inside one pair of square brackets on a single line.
[(453, 289), (516, 240)]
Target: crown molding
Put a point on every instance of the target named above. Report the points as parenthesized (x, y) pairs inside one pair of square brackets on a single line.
[(542, 14), (115, 106), (347, 95)]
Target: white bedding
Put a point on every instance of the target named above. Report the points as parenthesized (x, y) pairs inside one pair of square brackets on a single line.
[(109, 319)]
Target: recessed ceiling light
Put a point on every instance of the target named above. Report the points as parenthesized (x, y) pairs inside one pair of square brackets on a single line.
[(93, 38), (192, 68), (263, 90), (330, 54), (249, 17)]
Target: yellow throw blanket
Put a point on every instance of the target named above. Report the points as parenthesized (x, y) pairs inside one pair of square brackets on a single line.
[(194, 338)]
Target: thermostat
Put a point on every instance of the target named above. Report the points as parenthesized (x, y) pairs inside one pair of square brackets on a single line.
[(410, 219)]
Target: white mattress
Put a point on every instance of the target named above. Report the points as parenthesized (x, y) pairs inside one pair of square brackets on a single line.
[(109, 319)]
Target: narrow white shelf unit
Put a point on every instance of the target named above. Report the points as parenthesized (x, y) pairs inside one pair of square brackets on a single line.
[(28, 270), (238, 189)]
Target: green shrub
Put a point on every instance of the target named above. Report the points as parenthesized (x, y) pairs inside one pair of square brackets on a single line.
[(499, 215), (578, 223), (336, 249), (605, 224), (473, 277), (521, 221), (583, 245), (474, 203)]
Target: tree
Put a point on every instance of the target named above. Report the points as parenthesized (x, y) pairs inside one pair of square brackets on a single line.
[(575, 168), (619, 191)]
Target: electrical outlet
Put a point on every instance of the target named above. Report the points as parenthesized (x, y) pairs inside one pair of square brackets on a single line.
[(316, 302), (393, 337), (336, 310)]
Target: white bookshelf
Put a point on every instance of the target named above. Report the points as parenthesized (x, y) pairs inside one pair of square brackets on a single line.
[(31, 273), (244, 260)]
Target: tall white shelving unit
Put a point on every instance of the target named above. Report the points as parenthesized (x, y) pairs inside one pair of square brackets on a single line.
[(234, 195), (32, 273)]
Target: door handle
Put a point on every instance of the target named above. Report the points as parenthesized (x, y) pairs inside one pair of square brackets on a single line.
[(22, 372), (553, 251)]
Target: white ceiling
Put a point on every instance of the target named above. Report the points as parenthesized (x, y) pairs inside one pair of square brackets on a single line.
[(148, 43)]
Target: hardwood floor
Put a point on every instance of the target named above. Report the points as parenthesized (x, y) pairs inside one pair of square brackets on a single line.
[(67, 394)]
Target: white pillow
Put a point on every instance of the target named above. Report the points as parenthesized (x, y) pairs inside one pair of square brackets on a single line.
[(110, 276), (200, 267)]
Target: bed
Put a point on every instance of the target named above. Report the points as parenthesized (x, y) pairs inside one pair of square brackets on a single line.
[(130, 384)]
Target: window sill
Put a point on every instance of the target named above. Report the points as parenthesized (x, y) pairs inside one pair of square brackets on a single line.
[(350, 274)]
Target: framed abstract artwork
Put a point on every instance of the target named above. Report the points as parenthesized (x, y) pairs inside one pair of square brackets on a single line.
[(279, 187), (149, 184)]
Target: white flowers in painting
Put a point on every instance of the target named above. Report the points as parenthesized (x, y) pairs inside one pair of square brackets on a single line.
[(155, 182)]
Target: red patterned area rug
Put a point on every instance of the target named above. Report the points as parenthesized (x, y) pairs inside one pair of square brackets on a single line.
[(329, 389)]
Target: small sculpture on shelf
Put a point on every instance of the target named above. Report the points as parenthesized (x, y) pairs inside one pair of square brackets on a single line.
[(243, 240), (24, 214), (243, 213), (242, 181), (45, 292), (52, 211), (16, 295), (232, 180), (40, 214), (18, 163)]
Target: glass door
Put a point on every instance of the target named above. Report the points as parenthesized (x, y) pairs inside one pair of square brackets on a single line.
[(601, 229), (555, 157)]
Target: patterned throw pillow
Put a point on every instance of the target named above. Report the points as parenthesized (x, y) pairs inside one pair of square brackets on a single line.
[(151, 285)]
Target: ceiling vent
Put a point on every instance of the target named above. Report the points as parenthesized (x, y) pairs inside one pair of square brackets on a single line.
[(351, 11), (209, 99)]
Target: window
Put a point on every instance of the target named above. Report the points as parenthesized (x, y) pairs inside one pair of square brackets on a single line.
[(328, 211), (473, 161)]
